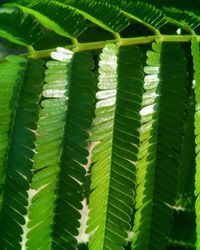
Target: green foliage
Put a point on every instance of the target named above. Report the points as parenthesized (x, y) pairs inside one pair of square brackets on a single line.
[(43, 11), (19, 28), (61, 144), (196, 55), (110, 107), (20, 118), (116, 128), (96, 12), (161, 137)]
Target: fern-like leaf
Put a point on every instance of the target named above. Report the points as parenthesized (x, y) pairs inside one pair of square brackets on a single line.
[(9, 74), (61, 151), (141, 12), (116, 128), (185, 18), (183, 230), (19, 28), (18, 120), (96, 12), (91, 10), (196, 59), (62, 19), (161, 138), (187, 155), (72, 24)]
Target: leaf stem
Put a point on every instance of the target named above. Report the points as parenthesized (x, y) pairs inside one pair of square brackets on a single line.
[(77, 47)]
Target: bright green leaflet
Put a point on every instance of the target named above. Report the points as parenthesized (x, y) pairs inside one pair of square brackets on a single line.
[(96, 12), (54, 16), (196, 58), (14, 25), (161, 139), (115, 127), (42, 188), (20, 114), (61, 151)]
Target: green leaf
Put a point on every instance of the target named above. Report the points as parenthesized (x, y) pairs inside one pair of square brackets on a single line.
[(52, 14), (9, 73), (183, 230), (187, 154), (116, 128), (61, 151), (19, 116), (63, 20), (144, 13), (196, 60), (96, 12), (19, 28), (161, 139), (185, 18)]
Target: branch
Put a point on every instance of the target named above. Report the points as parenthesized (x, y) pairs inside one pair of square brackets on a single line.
[(121, 42)]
